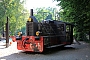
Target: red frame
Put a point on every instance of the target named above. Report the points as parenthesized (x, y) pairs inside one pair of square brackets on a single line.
[(31, 45)]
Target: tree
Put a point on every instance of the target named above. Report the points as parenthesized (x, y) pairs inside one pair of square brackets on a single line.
[(43, 13), (77, 12), (14, 9)]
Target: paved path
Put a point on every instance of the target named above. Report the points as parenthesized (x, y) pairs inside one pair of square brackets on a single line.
[(70, 52)]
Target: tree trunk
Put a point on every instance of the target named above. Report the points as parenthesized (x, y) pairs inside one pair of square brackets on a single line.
[(89, 35)]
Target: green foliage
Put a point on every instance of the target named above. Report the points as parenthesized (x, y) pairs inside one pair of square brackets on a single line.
[(14, 9), (49, 17), (77, 12), (43, 13)]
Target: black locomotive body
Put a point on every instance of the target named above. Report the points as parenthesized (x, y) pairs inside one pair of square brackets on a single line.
[(45, 34)]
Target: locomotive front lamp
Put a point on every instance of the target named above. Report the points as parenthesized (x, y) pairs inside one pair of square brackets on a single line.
[(29, 19), (19, 33), (37, 33)]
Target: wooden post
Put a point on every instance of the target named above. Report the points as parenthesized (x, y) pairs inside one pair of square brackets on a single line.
[(89, 35), (7, 34)]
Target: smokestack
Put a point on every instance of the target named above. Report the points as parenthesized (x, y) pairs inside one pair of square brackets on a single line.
[(31, 12)]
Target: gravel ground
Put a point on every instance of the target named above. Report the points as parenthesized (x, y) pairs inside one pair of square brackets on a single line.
[(69, 52)]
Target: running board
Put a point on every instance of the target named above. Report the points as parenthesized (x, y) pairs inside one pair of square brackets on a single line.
[(55, 46)]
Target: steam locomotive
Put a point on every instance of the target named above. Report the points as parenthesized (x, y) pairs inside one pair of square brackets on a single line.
[(44, 34)]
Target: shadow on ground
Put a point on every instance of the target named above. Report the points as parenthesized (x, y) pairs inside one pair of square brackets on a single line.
[(51, 50)]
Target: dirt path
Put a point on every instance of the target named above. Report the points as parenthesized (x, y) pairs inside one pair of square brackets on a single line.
[(70, 52)]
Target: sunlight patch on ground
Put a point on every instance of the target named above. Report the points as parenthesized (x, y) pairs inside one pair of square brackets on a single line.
[(2, 59), (8, 51)]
